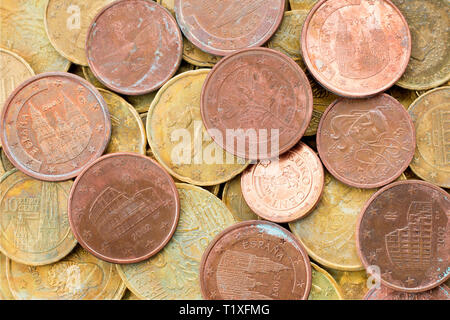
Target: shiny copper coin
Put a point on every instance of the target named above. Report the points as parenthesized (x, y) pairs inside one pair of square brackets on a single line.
[(287, 189), (134, 46), (255, 260), (124, 208), (383, 293), (404, 230), (256, 103), (366, 143), (223, 27), (356, 48), (53, 125)]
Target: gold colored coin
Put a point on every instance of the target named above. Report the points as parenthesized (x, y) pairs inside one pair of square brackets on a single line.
[(178, 138), (4, 162), (22, 31), (127, 129), (429, 23), (128, 295), (79, 276), (67, 23), (323, 286), (213, 189), (404, 96), (235, 202), (173, 273), (5, 293), (196, 56), (302, 4), (168, 4), (89, 76), (353, 284), (287, 38), (33, 219), (2, 171), (431, 117)]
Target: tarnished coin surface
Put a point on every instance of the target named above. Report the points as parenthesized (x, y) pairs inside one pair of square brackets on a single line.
[(89, 76), (4, 161), (366, 143), (431, 116), (179, 139), (67, 23), (259, 100), (353, 284), (255, 260), (34, 228), (197, 57), (173, 274), (323, 286), (287, 189), (223, 27), (234, 200), (123, 208), (134, 46), (404, 230), (79, 276), (429, 23), (5, 293), (22, 30), (127, 129), (53, 125), (168, 4), (357, 48), (384, 293), (404, 96)]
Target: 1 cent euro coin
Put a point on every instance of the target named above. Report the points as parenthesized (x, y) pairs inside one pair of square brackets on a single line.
[(124, 208)]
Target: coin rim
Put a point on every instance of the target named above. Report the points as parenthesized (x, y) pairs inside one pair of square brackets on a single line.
[(361, 255), (330, 278)]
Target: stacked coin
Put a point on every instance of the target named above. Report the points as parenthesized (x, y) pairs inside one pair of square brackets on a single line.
[(166, 149)]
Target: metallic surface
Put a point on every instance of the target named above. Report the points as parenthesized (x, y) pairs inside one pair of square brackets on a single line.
[(366, 143), (34, 228), (404, 230), (53, 125), (284, 190), (429, 22), (302, 4), (356, 49), (174, 272), (134, 46), (255, 260), (323, 286), (89, 76), (5, 293), (79, 276), (191, 159), (197, 57), (123, 208), (257, 89), (353, 284), (439, 293), (234, 200), (22, 30), (224, 27), (430, 114), (404, 96)]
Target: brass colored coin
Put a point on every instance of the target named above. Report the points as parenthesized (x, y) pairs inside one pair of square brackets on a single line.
[(213, 189), (353, 284), (196, 56), (67, 23), (33, 219), (173, 273), (175, 112), (5, 163), (5, 293), (79, 276), (302, 4), (287, 38), (404, 96), (429, 23), (89, 76), (235, 202), (127, 129), (2, 170), (128, 295), (323, 287), (22, 30), (168, 4), (431, 116)]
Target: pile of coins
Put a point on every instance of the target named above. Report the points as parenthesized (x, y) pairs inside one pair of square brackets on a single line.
[(225, 149)]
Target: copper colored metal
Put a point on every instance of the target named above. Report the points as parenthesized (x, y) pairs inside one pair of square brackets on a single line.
[(287, 189), (383, 293), (53, 125), (404, 231), (224, 27), (259, 100), (255, 260), (366, 143), (356, 48), (124, 208), (134, 46)]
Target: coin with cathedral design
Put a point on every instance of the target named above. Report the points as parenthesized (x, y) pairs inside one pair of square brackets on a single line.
[(255, 260), (356, 48), (124, 208), (404, 230), (34, 228), (53, 125)]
